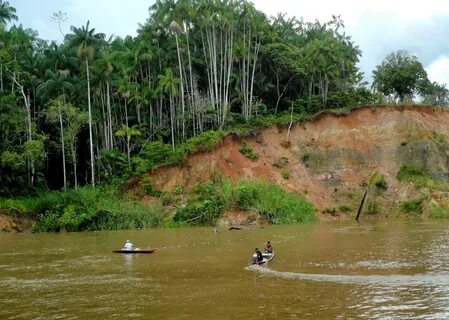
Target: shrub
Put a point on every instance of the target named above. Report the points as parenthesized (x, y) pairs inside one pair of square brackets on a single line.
[(285, 175), (305, 157), (378, 180), (146, 187), (438, 212), (248, 152), (281, 163), (411, 206), (344, 208)]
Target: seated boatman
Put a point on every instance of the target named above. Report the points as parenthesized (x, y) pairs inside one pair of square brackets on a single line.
[(269, 247), (128, 245)]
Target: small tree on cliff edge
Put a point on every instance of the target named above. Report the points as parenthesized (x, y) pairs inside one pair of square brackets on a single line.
[(400, 74)]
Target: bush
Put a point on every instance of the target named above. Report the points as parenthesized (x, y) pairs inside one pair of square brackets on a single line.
[(270, 201), (411, 206), (437, 212), (281, 163), (378, 180), (285, 175), (248, 152), (85, 209), (274, 203)]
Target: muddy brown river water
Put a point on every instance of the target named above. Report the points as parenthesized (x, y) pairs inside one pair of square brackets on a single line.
[(379, 270)]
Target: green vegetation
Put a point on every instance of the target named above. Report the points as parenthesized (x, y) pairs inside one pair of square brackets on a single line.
[(84, 209), (378, 180), (210, 200), (411, 206), (117, 108), (438, 212), (372, 207), (344, 208), (281, 163), (420, 177), (248, 152), (285, 175), (401, 74), (441, 140)]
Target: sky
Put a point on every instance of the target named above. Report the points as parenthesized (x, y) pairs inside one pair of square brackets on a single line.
[(377, 27)]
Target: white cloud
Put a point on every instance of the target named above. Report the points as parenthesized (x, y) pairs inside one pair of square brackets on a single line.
[(438, 70), (352, 10)]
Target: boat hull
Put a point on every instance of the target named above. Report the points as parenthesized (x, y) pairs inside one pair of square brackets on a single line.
[(135, 251)]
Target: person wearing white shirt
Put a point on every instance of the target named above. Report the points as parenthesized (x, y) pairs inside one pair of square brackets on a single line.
[(128, 245)]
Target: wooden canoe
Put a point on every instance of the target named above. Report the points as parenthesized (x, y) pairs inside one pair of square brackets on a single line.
[(148, 250)]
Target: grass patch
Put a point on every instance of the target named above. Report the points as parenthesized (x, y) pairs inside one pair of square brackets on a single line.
[(411, 206), (420, 177), (372, 207), (437, 212), (440, 139), (344, 208)]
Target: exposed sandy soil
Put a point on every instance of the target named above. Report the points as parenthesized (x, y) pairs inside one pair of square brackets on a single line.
[(9, 224), (331, 158)]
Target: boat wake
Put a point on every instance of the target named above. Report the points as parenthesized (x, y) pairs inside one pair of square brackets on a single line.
[(388, 280)]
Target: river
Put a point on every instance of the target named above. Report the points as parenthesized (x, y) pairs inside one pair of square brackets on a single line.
[(375, 270)]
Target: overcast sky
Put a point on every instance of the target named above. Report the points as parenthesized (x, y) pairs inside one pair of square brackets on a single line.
[(378, 27)]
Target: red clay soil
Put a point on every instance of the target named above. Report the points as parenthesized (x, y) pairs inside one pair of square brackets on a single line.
[(330, 158)]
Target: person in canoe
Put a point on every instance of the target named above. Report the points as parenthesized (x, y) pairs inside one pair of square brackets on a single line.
[(268, 248), (258, 258), (128, 245)]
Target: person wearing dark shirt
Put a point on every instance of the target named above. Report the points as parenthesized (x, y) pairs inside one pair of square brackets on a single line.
[(258, 258)]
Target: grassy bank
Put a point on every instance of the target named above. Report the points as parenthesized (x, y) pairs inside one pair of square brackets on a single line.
[(106, 208), (209, 201), (84, 209)]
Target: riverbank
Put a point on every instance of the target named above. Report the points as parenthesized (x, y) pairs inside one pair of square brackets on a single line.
[(317, 168)]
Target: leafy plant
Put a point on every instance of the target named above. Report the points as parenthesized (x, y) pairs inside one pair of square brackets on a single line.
[(281, 163), (378, 180), (411, 206), (248, 152)]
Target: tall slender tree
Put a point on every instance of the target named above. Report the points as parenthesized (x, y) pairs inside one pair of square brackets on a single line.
[(86, 40)]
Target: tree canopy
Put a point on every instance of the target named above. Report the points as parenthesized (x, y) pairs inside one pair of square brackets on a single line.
[(401, 74), (194, 66)]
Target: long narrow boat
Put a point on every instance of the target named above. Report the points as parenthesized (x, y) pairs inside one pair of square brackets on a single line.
[(267, 257), (137, 250)]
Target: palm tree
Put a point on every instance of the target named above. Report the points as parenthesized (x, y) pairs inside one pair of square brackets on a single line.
[(168, 84), (86, 40), (7, 13)]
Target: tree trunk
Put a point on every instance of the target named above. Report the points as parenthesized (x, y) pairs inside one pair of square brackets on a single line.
[(108, 102), (63, 147), (172, 122), (75, 173), (181, 88), (92, 164)]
